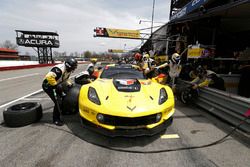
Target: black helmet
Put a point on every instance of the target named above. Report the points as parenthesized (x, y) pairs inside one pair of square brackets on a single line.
[(91, 70), (200, 71), (71, 64)]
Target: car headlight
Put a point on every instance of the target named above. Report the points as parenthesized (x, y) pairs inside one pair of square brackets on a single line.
[(163, 96), (92, 95)]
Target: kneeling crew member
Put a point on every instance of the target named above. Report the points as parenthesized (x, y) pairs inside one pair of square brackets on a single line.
[(58, 74), (207, 78)]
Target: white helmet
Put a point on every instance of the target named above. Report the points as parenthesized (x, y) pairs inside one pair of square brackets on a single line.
[(176, 58)]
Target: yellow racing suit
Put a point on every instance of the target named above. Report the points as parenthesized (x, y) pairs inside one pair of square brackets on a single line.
[(55, 76)]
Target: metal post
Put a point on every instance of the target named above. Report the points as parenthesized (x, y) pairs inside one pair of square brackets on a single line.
[(167, 46), (51, 60), (171, 9), (38, 53), (214, 35), (46, 55), (44, 58), (152, 21)]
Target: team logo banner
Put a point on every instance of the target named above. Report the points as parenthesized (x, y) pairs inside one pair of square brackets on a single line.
[(195, 52), (116, 51), (116, 33)]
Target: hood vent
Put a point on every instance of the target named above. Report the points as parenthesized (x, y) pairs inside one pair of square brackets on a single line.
[(127, 85)]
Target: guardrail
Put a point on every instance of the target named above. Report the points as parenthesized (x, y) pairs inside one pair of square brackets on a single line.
[(226, 106)]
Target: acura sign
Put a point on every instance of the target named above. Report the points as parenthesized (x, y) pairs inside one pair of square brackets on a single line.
[(35, 42)]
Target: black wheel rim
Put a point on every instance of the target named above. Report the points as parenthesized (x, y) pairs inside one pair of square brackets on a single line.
[(186, 96), (23, 106)]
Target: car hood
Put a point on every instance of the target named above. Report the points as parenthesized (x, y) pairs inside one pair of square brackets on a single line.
[(133, 103)]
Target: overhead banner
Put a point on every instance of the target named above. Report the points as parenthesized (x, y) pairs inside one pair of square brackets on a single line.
[(116, 51), (116, 33)]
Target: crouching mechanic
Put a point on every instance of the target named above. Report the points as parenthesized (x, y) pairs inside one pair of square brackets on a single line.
[(207, 78), (86, 77), (58, 74), (92, 64)]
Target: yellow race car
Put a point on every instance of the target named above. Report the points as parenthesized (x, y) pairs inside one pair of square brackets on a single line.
[(122, 102)]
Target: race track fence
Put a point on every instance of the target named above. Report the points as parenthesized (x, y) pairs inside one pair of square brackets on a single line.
[(230, 108)]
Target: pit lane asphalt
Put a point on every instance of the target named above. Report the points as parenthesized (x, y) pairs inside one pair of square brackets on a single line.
[(40, 144)]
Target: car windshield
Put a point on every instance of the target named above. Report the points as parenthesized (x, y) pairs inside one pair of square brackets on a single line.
[(121, 73), (100, 65)]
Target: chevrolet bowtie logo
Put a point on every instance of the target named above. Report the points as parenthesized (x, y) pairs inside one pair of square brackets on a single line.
[(131, 109)]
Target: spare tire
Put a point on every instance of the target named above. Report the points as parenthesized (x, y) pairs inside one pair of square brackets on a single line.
[(22, 114)]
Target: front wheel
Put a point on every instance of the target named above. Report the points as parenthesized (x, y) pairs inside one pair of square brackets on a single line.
[(188, 95), (70, 101)]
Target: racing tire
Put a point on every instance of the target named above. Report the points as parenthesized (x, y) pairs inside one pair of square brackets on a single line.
[(188, 96), (70, 101), (184, 97), (22, 114)]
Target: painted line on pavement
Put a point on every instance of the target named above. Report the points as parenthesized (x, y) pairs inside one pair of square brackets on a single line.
[(28, 75), (6, 104), (36, 99), (170, 136), (21, 98)]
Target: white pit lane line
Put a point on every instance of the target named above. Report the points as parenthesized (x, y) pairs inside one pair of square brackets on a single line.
[(21, 98), (23, 76), (36, 99)]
